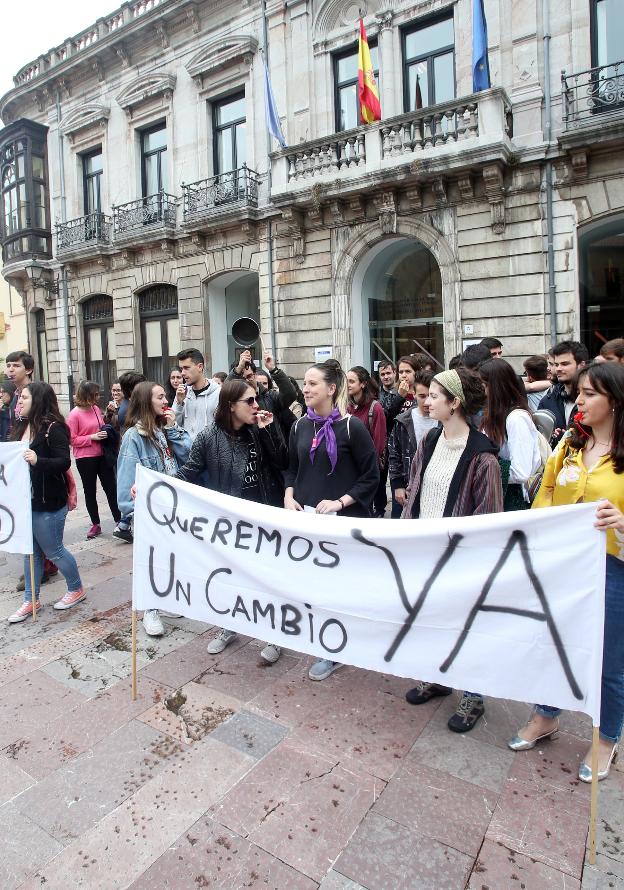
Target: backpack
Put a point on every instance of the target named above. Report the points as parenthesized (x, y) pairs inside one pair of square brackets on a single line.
[(533, 482)]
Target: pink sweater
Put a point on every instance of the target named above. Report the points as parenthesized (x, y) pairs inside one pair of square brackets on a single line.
[(82, 423)]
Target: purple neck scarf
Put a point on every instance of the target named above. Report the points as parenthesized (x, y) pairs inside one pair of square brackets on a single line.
[(326, 432)]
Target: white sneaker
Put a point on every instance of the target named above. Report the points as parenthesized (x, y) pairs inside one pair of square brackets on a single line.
[(152, 623), (219, 643), (271, 653), (322, 669)]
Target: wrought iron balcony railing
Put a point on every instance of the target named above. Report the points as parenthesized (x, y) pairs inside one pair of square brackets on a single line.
[(593, 92), (237, 187), (153, 210), (94, 228)]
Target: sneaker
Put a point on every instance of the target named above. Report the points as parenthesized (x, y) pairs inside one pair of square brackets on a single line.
[(469, 709), (152, 623), (271, 653), (94, 532), (24, 612), (124, 534), (423, 692), (219, 643), (71, 598), (322, 669)]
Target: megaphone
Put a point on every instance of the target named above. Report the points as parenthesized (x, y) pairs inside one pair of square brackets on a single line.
[(245, 331)]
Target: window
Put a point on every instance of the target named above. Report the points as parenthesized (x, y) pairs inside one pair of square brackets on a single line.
[(100, 351), (346, 100), (42, 345), (24, 216), (428, 64), (607, 26), (160, 330), (154, 160), (91, 177), (230, 134)]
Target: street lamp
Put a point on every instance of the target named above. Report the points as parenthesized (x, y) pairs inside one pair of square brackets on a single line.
[(35, 273)]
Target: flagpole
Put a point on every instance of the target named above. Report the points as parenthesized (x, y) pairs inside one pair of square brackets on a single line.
[(265, 49)]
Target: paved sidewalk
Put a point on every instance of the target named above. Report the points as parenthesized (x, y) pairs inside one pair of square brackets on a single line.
[(230, 774)]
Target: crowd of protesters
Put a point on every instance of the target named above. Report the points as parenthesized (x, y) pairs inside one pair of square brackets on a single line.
[(461, 441)]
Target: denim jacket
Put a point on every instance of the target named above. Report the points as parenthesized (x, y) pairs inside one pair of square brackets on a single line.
[(138, 448)]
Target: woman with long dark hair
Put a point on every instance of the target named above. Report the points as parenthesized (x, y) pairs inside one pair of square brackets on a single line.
[(154, 440), (507, 422), (333, 465), (43, 427), (455, 473), (174, 380), (237, 455), (588, 465), (364, 404), (85, 423)]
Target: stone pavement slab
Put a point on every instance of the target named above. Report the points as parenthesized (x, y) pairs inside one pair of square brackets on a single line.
[(76, 797), (251, 734), (127, 841), (46, 749), (13, 780), (208, 855), (300, 806), (499, 867), (239, 670), (29, 703), (438, 806), (388, 856), (335, 881), (25, 846)]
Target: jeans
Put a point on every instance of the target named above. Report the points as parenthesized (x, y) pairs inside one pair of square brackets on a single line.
[(90, 469), (48, 541), (612, 691)]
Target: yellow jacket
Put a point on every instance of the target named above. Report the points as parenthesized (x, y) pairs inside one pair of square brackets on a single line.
[(567, 480)]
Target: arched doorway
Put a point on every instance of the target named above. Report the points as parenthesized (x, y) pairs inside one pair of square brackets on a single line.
[(231, 296), (160, 330), (397, 303), (602, 283), (99, 336)]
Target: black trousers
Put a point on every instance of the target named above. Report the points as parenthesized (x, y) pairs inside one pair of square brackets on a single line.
[(91, 469), (381, 497)]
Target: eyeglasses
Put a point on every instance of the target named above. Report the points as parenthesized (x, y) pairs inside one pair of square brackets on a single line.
[(251, 400)]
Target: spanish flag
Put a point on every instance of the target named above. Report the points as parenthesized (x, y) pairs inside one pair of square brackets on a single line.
[(368, 94)]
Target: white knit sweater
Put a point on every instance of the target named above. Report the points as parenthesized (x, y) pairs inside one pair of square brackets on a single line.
[(438, 475)]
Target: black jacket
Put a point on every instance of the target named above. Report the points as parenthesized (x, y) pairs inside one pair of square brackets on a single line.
[(276, 400), (47, 477), (392, 403), (221, 458), (402, 446), (555, 401)]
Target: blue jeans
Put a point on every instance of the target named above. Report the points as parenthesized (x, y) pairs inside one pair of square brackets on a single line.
[(48, 542), (612, 691)]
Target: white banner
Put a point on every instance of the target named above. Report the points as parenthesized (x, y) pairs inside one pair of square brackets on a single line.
[(509, 605), (15, 516)]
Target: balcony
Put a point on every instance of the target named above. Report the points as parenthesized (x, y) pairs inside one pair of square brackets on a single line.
[(593, 97), (456, 135), (148, 218), (85, 235), (229, 195)]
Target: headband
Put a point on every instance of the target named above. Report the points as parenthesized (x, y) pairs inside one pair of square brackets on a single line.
[(451, 381)]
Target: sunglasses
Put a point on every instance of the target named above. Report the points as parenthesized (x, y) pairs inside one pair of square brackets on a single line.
[(249, 401)]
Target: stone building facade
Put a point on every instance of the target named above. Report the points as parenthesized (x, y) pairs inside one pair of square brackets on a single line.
[(142, 210)]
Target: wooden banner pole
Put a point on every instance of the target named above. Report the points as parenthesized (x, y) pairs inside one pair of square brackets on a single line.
[(594, 795), (134, 652), (31, 559)]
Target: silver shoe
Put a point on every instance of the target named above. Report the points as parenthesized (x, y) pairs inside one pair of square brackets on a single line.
[(585, 770), (520, 744)]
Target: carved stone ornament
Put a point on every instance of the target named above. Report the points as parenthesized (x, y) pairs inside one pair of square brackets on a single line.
[(295, 230), (357, 205), (220, 53), (161, 32), (578, 162), (493, 180), (466, 190), (386, 206), (336, 209), (84, 116), (385, 19), (123, 54), (193, 17), (97, 66), (148, 86), (439, 190), (413, 195)]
